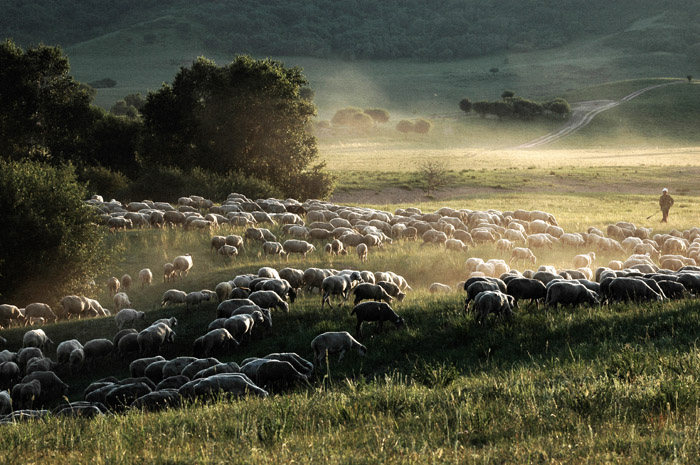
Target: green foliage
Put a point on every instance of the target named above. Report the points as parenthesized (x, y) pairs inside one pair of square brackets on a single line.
[(405, 126), (521, 108), (422, 126), (465, 105), (353, 118), (130, 106), (51, 245), (506, 94), (247, 116), (103, 181), (379, 115), (44, 113), (170, 183), (434, 375), (558, 106)]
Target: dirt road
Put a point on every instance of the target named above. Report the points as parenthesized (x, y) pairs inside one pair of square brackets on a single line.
[(582, 113)]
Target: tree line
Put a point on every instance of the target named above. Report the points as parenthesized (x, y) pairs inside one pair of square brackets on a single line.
[(514, 107)]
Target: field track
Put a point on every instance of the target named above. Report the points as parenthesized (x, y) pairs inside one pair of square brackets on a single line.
[(583, 113)]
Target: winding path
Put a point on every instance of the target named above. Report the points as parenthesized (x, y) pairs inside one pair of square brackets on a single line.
[(582, 113)]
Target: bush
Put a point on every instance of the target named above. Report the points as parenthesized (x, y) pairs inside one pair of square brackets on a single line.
[(465, 105), (103, 181), (352, 118), (379, 115), (422, 126), (51, 244), (170, 183), (404, 126)]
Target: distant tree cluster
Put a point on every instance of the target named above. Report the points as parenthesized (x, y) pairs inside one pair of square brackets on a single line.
[(419, 126), (359, 119), (512, 106), (359, 29)]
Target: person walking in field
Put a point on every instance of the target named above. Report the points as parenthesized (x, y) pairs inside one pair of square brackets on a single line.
[(665, 202)]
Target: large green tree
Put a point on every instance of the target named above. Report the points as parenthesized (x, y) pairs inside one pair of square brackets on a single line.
[(44, 113), (248, 116)]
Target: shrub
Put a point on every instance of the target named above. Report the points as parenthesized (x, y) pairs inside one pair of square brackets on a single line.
[(422, 126), (404, 126), (353, 118), (378, 115), (465, 105), (51, 244), (103, 181)]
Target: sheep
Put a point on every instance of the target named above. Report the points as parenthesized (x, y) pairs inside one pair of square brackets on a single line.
[(64, 350), (121, 396), (235, 241), (97, 348), (127, 317), (8, 314), (268, 299), (229, 367), (296, 246), (5, 403), (74, 305), (26, 354), (162, 398), (40, 364), (538, 240), (235, 384), (171, 322), (195, 299), (334, 342), (241, 325), (153, 337), (439, 288), (361, 250), (524, 288), (227, 307), (338, 285), (96, 307), (24, 395), (113, 285), (182, 265), (52, 388), (392, 289), (278, 375), (36, 310), (273, 248), (137, 368), (36, 338), (9, 374), (627, 288), (175, 366), (472, 263), (120, 300), (173, 296), (168, 272), (126, 282), (475, 287), (365, 291), (522, 253), (76, 360), (223, 290), (504, 245), (584, 260), (569, 293), (376, 311), (492, 302), (227, 251), (281, 287)]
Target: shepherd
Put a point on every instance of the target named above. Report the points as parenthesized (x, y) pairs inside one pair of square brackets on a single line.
[(665, 202)]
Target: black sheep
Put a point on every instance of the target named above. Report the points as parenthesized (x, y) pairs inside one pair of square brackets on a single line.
[(376, 311)]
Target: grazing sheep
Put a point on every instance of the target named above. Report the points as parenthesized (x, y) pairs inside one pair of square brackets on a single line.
[(366, 291), (39, 310), (217, 341), (195, 299), (40, 364), (52, 388), (9, 374), (392, 289), (113, 285), (121, 396), (227, 251), (235, 384), (524, 288), (278, 375), (273, 248), (172, 322), (376, 311), (76, 360), (120, 334), (164, 397), (64, 350), (361, 250), (121, 300), (492, 302), (126, 282), (137, 368), (74, 305), (183, 265), (9, 314), (439, 288), (168, 272), (584, 260), (173, 296), (623, 289), (332, 343), (227, 307), (569, 293), (127, 318), (235, 240), (36, 338), (5, 403), (340, 285), (281, 287), (476, 287), (223, 290), (522, 253), (297, 246), (97, 348), (25, 395), (230, 367), (175, 366), (268, 299), (153, 337), (26, 354)]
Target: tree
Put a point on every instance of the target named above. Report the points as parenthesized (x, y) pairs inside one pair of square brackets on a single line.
[(465, 105), (433, 173), (353, 118), (422, 126), (507, 94), (51, 244), (248, 116), (44, 113), (379, 115), (689, 77), (558, 107), (483, 108), (405, 126)]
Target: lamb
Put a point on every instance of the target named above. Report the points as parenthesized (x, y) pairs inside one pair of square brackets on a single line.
[(332, 343), (127, 318), (296, 246), (492, 302), (338, 285), (36, 310), (268, 299), (365, 291), (153, 337), (173, 296), (168, 272), (376, 311), (361, 250), (439, 288), (36, 338), (182, 265), (569, 293), (522, 253), (121, 300), (97, 348), (113, 285)]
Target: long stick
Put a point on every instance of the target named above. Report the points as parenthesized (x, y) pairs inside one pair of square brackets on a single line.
[(653, 214)]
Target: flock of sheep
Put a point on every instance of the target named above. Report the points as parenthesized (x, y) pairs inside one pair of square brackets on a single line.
[(657, 267)]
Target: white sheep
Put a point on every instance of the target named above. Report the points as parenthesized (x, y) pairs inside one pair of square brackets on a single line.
[(439, 288), (296, 246), (504, 245), (195, 299), (113, 285), (127, 318), (584, 260), (151, 338), (227, 251), (361, 250), (146, 277), (183, 265), (522, 253), (173, 296), (273, 248), (36, 338), (126, 282), (121, 300), (333, 343), (168, 272), (64, 350)]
